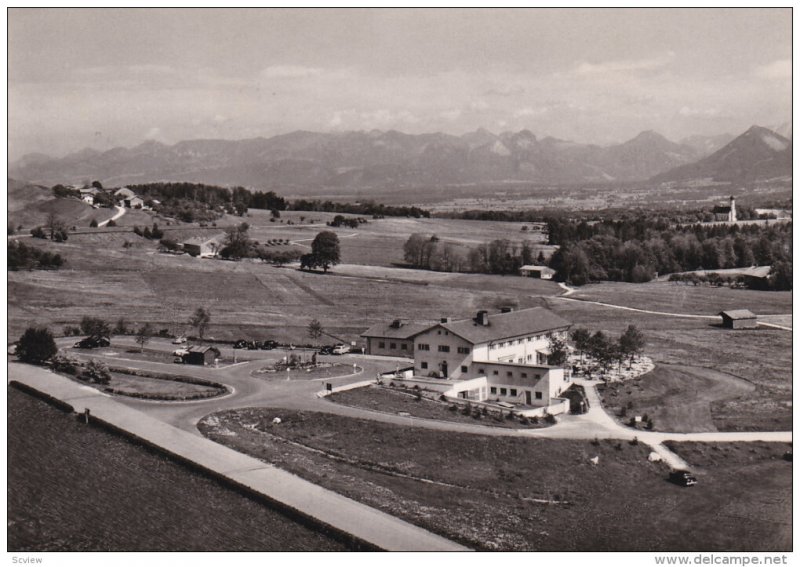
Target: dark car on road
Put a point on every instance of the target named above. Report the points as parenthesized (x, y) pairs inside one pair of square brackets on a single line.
[(241, 343), (268, 345), (327, 349), (93, 342), (682, 478)]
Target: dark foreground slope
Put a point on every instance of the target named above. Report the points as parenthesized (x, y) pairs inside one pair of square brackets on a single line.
[(73, 487)]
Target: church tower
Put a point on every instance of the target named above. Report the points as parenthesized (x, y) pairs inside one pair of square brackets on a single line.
[(732, 217)]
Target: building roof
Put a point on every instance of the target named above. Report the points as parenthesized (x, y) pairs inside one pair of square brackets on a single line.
[(532, 268), (506, 325), (405, 331), (124, 192), (200, 240), (202, 349), (738, 314)]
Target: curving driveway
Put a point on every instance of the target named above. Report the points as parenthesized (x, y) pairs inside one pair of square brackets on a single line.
[(275, 391)]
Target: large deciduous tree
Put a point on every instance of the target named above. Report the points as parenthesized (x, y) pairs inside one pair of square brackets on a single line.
[(325, 249), (36, 345)]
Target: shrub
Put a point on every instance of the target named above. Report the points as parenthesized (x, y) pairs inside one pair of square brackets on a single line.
[(96, 372), (467, 409), (595, 442), (524, 420), (510, 416), (111, 222), (36, 345), (93, 223), (634, 441), (549, 418), (65, 365), (453, 408)]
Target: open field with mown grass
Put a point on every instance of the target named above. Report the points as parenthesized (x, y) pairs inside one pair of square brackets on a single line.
[(253, 300), (762, 357), (73, 487), (511, 493)]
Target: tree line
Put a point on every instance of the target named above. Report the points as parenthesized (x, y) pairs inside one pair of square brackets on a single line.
[(500, 256), (22, 256), (636, 250)]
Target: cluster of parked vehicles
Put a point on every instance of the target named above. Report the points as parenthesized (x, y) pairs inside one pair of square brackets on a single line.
[(255, 345)]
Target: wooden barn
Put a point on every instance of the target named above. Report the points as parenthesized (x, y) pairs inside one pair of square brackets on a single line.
[(739, 319)]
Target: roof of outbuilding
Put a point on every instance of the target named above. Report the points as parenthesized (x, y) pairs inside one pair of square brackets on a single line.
[(506, 325), (533, 268), (202, 349), (406, 331), (738, 314)]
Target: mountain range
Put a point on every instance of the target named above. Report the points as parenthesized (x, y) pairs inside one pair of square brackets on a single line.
[(391, 158)]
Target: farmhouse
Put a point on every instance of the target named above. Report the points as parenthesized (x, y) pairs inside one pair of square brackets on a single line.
[(394, 339), (739, 319), (201, 246), (124, 193), (541, 272), (725, 213), (200, 355), (134, 202)]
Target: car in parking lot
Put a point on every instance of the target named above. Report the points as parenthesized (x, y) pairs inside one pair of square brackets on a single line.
[(179, 340), (327, 349), (682, 478), (93, 342), (180, 352), (340, 349)]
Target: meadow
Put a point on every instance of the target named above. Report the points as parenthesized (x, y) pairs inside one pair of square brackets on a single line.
[(57, 465), (510, 493)]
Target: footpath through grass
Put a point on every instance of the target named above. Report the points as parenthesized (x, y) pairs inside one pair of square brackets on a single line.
[(73, 487), (510, 493)]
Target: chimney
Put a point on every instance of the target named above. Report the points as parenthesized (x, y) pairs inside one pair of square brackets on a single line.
[(445, 320), (482, 318), (506, 309)]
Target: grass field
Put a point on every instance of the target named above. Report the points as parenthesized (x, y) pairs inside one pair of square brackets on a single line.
[(511, 493), (128, 384), (73, 487), (677, 398), (252, 300), (760, 356)]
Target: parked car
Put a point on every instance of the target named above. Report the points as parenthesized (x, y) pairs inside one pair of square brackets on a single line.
[(241, 343), (178, 360), (682, 478), (253, 345), (180, 352), (269, 345), (93, 342), (341, 349), (179, 340), (327, 349)]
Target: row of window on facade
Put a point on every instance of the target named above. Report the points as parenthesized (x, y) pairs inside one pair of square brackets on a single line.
[(482, 372), (511, 392), (444, 348), (517, 342), (403, 346)]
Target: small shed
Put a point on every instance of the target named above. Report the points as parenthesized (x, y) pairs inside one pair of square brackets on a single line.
[(739, 319), (541, 272), (200, 355)]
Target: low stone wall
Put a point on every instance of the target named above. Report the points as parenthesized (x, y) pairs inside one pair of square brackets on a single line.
[(344, 388)]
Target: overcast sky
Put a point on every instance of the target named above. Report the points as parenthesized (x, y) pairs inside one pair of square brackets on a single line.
[(105, 78)]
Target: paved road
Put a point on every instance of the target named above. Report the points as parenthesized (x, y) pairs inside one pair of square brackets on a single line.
[(253, 390)]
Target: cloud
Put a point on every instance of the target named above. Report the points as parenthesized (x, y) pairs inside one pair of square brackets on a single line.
[(780, 69), (153, 133), (529, 111), (451, 115), (625, 66), (290, 72)]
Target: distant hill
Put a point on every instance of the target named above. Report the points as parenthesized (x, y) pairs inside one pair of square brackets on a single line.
[(365, 159), (759, 153)]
